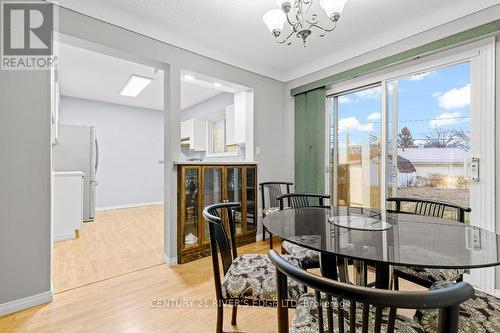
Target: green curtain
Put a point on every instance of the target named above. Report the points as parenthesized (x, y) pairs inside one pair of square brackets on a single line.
[(310, 137)]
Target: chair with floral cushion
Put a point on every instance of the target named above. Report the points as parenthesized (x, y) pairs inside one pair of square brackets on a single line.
[(274, 189), (249, 279), (481, 313), (307, 257), (342, 307), (426, 277)]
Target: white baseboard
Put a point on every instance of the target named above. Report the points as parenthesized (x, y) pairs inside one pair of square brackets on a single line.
[(496, 293), (24, 303), (169, 261), (62, 237), (132, 205)]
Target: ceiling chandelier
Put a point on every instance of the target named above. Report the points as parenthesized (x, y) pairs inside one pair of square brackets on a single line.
[(301, 21)]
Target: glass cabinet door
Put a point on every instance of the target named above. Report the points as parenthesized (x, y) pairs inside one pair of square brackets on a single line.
[(234, 187), (212, 193), (191, 209), (251, 193)]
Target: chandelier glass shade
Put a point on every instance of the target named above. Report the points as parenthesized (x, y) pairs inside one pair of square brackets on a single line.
[(300, 19)]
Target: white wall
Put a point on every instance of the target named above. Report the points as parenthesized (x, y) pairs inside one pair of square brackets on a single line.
[(130, 146), (209, 108)]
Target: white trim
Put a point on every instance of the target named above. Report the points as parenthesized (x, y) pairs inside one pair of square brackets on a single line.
[(132, 205), (62, 237), (327, 149), (384, 109), (483, 127), (169, 261), (24, 303)]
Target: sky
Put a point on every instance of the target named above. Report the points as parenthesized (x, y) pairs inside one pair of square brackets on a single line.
[(431, 100)]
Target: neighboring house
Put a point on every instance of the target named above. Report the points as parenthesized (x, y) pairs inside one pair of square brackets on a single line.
[(407, 174), (429, 163)]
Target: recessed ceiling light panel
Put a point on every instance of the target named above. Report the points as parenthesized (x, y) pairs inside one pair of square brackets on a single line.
[(135, 85)]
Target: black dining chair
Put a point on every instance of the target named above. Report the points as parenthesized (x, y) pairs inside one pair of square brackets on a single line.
[(341, 307), (426, 277), (249, 279), (307, 257), (270, 202)]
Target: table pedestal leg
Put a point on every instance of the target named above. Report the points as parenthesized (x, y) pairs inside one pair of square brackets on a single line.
[(343, 265), (382, 276), (328, 265), (359, 272)]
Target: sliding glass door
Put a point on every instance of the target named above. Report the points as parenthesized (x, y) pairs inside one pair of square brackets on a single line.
[(427, 131)]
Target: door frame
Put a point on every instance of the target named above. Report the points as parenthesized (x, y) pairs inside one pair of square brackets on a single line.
[(481, 55)]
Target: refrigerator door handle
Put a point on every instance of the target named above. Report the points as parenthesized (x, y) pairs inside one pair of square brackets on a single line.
[(96, 155)]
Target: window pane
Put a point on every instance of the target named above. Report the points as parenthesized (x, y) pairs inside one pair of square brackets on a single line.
[(219, 136), (433, 135), (359, 148)]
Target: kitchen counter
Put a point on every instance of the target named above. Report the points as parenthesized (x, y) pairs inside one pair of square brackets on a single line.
[(215, 163)]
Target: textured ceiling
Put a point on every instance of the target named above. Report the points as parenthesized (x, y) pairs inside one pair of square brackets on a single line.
[(91, 75), (232, 30)]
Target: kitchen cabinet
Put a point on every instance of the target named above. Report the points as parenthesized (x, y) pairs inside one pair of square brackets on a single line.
[(68, 204), (203, 184), (194, 134)]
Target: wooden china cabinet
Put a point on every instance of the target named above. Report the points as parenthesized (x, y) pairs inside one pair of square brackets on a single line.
[(200, 185)]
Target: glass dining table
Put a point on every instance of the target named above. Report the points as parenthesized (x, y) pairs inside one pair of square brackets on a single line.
[(383, 239)]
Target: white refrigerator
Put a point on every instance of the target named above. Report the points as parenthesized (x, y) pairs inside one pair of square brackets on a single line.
[(77, 150)]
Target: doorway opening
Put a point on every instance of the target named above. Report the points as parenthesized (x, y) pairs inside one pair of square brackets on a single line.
[(107, 149)]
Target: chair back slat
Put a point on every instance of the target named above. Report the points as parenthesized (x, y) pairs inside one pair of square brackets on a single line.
[(321, 326), (340, 315), (446, 299), (365, 318), (430, 208), (352, 317), (274, 192), (392, 320), (329, 313), (378, 319)]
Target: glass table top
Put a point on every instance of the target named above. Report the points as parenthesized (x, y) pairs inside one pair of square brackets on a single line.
[(387, 237)]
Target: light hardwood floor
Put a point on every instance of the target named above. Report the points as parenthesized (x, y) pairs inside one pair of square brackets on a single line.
[(128, 303), (118, 241)]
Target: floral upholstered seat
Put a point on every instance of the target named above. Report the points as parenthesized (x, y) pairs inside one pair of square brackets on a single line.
[(308, 258), (431, 274), (306, 319), (269, 210), (253, 276), (480, 314)]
